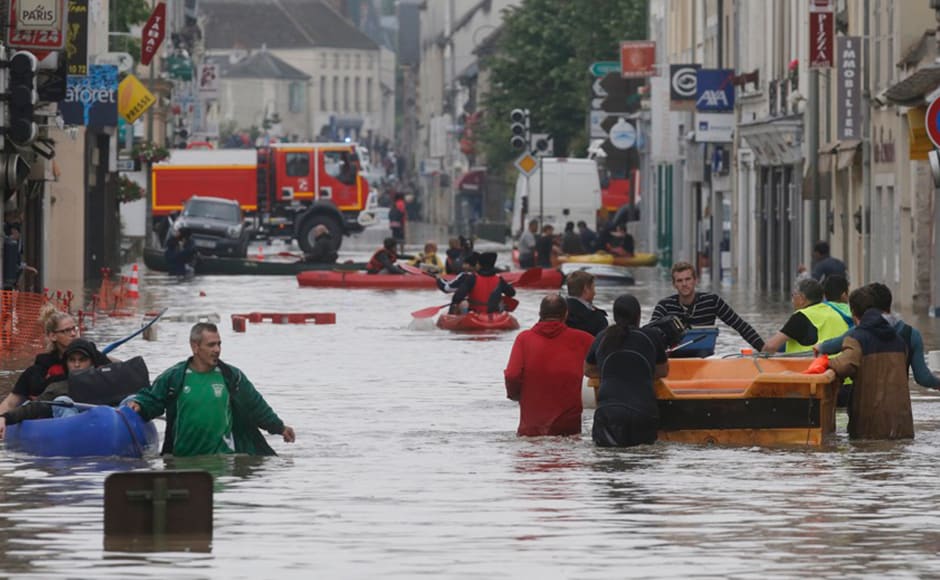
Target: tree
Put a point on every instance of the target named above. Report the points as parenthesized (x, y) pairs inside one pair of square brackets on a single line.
[(541, 63), (122, 16)]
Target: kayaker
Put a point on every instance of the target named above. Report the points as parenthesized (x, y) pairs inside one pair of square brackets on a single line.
[(627, 359), (544, 373), (454, 257), (701, 308), (428, 260), (588, 236), (812, 321), (470, 264), (323, 251), (875, 357), (211, 407), (484, 289), (571, 241), (383, 260), (825, 265), (582, 314), (79, 356), (179, 254), (49, 366)]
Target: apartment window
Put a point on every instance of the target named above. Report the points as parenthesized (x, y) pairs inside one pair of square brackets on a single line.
[(336, 94), (347, 60), (336, 60), (346, 94), (357, 95), (876, 50), (357, 61), (296, 97), (369, 95), (322, 93), (324, 60), (369, 61)]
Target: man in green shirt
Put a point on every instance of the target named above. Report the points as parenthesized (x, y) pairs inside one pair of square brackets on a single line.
[(211, 407)]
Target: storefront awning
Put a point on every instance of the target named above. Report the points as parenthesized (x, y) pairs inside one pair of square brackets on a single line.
[(775, 141), (841, 154), (911, 91)]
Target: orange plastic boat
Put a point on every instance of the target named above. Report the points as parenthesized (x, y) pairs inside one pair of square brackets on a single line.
[(474, 321), (743, 401)]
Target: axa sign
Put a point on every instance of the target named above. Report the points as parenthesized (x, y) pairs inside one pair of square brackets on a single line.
[(714, 90)]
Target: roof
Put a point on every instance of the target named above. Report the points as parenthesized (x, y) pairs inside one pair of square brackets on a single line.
[(264, 65), (278, 24), (917, 51), (911, 91)]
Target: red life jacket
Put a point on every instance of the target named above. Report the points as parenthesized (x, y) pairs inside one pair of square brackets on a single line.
[(375, 265), (482, 289)]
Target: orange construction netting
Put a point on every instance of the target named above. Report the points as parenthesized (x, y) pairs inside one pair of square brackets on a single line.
[(20, 330)]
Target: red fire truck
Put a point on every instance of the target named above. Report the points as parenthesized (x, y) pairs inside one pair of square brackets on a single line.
[(288, 189)]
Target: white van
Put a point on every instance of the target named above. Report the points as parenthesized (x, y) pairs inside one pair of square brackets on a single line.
[(572, 193)]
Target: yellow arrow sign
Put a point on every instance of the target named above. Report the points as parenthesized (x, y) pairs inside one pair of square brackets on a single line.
[(133, 98)]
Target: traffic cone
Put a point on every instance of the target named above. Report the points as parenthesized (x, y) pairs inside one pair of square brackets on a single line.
[(260, 251), (133, 292)]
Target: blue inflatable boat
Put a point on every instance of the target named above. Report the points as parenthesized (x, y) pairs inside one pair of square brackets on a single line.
[(99, 431)]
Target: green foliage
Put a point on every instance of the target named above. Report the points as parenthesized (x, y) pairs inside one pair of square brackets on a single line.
[(541, 63), (122, 15)]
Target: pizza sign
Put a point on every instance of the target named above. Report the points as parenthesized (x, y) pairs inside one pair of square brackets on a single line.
[(37, 25)]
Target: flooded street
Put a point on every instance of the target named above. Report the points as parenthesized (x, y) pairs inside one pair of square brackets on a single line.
[(406, 464)]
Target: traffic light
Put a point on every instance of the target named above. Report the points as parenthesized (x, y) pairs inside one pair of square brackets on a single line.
[(519, 128), (22, 98)]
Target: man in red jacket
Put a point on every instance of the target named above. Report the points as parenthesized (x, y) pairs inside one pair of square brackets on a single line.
[(545, 371)]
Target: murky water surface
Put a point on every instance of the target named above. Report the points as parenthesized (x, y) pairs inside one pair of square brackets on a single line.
[(407, 465)]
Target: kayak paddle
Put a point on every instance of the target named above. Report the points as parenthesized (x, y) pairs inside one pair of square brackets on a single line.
[(121, 341), (429, 311)]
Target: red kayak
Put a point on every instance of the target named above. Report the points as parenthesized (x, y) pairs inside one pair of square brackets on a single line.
[(550, 280), (475, 321)]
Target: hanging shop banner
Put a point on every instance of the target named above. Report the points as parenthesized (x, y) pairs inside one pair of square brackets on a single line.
[(91, 100), (76, 41), (133, 98), (849, 88)]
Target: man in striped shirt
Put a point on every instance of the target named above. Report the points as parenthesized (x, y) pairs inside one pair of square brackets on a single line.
[(701, 308)]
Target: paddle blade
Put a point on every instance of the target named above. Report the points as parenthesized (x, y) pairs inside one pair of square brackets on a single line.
[(819, 365), (412, 269), (510, 303), (428, 312), (530, 276)]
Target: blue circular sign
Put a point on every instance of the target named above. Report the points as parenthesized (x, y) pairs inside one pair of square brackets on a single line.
[(623, 134)]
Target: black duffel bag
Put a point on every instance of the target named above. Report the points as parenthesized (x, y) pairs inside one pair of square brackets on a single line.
[(109, 384)]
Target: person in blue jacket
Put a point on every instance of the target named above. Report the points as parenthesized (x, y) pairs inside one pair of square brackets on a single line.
[(179, 254)]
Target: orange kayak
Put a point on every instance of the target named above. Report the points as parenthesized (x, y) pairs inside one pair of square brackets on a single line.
[(475, 321)]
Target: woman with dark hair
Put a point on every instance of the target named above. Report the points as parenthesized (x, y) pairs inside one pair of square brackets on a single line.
[(627, 359)]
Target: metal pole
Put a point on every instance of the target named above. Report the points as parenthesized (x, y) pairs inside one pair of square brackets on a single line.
[(866, 148), (541, 194), (148, 218), (812, 142)]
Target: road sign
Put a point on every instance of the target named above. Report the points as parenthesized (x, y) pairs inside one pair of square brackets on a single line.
[(623, 134), (38, 30), (604, 67), (933, 121), (527, 164), (153, 33), (596, 89), (133, 98), (125, 164), (638, 58)]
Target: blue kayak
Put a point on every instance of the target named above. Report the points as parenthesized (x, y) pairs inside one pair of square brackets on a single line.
[(99, 431), (696, 343)]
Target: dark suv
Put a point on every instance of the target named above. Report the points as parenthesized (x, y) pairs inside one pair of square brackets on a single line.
[(216, 225)]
